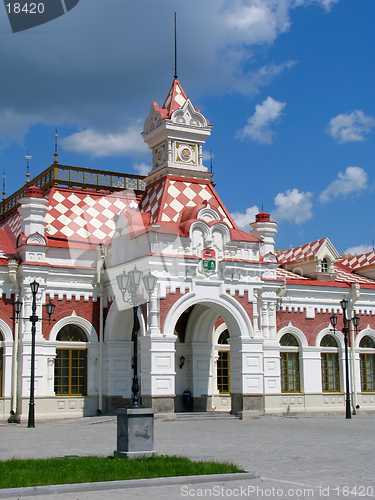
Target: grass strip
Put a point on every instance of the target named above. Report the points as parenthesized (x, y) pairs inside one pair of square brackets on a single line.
[(20, 473)]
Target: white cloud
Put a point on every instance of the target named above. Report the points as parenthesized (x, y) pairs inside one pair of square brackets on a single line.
[(293, 206), (97, 144), (358, 250), (353, 180), (142, 168), (102, 93), (350, 126), (251, 82), (243, 220), (326, 4), (258, 128)]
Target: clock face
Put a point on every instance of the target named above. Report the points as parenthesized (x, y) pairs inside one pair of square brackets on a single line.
[(160, 155), (185, 153)]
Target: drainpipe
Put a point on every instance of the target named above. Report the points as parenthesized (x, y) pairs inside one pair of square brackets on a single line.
[(12, 271), (102, 252), (354, 296)]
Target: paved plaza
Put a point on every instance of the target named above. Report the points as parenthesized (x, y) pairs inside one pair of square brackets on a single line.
[(286, 457)]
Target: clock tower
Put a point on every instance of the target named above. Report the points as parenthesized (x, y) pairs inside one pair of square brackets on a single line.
[(176, 133)]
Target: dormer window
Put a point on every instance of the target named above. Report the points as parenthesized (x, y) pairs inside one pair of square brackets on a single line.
[(325, 265)]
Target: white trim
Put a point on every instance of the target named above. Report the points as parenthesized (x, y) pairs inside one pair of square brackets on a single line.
[(294, 331), (6, 331), (86, 326), (328, 331), (363, 333), (232, 312)]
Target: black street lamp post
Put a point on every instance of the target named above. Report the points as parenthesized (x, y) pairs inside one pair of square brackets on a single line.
[(345, 330), (129, 284), (17, 306)]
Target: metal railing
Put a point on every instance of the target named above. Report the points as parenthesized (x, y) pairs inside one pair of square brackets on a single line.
[(75, 177)]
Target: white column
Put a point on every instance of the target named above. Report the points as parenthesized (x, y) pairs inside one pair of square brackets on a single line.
[(157, 365)]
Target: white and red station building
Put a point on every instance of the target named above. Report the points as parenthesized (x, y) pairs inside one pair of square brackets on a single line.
[(241, 326)]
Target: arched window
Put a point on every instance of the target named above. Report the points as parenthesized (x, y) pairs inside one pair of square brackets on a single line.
[(324, 265), (1, 365), (71, 362), (289, 358), (367, 360), (223, 364), (330, 364)]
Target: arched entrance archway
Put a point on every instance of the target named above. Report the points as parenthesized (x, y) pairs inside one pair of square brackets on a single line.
[(198, 346)]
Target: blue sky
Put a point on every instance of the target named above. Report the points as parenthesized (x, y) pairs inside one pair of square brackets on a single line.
[(286, 84)]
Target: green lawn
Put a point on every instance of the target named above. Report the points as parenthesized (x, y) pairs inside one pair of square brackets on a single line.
[(19, 473)]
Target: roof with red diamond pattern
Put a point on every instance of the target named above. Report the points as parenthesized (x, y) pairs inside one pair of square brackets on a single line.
[(302, 252)]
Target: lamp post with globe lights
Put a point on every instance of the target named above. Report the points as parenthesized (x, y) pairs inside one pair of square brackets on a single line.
[(129, 284), (33, 318), (345, 330)]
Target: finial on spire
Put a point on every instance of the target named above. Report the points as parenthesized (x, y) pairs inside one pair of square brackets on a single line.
[(28, 157), (4, 185), (262, 205), (56, 153), (175, 46), (211, 161)]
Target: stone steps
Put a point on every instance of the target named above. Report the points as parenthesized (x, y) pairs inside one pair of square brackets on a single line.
[(205, 415)]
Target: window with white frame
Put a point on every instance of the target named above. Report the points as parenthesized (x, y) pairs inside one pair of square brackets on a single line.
[(223, 363), (289, 363), (71, 362), (330, 364), (325, 265), (367, 362)]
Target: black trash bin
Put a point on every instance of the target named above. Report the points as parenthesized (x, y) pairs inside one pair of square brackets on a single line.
[(187, 400)]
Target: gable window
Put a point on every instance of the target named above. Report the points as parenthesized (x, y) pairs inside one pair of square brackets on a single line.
[(71, 362), (367, 362), (324, 265), (289, 360), (330, 364)]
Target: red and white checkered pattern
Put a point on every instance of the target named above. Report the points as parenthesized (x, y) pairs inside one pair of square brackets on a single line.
[(78, 215), (151, 201), (283, 274), (179, 194), (302, 252), (350, 277), (13, 223), (358, 261)]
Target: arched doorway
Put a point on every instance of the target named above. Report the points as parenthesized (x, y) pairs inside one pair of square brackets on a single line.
[(213, 365)]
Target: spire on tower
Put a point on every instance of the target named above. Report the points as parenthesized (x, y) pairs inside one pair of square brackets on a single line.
[(56, 153), (175, 46), (28, 157), (4, 185)]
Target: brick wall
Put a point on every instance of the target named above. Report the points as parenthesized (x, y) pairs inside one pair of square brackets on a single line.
[(312, 326)]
